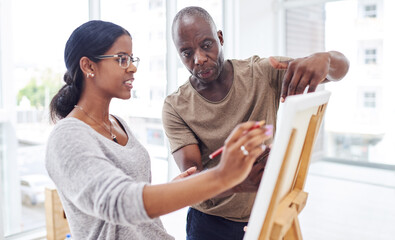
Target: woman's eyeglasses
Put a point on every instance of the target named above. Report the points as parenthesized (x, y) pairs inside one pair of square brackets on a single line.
[(124, 59)]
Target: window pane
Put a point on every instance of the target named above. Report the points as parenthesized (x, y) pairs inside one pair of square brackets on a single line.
[(146, 22), (40, 30), (1, 85), (305, 29), (370, 11), (363, 133), (358, 134)]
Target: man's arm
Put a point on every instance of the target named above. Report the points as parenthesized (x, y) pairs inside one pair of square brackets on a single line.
[(310, 71), (188, 156), (339, 66)]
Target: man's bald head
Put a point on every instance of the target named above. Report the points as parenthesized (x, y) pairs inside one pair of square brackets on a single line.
[(192, 11)]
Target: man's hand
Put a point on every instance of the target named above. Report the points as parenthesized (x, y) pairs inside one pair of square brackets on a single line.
[(252, 182), (310, 71), (186, 173)]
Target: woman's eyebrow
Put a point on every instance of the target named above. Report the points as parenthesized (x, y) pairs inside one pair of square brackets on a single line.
[(123, 53)]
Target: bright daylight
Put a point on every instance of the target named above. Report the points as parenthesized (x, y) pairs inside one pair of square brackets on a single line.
[(144, 91)]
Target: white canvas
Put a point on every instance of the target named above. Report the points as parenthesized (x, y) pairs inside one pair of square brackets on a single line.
[(294, 113)]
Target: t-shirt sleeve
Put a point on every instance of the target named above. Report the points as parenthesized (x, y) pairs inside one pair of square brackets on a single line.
[(277, 76), (88, 179), (177, 131), (263, 70)]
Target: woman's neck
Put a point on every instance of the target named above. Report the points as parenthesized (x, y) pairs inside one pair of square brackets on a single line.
[(96, 106)]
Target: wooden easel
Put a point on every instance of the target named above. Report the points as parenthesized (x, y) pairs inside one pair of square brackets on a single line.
[(281, 220), (56, 221)]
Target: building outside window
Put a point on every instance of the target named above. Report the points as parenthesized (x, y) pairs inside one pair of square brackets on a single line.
[(358, 128), (370, 11), (370, 99), (358, 131), (358, 125), (370, 56)]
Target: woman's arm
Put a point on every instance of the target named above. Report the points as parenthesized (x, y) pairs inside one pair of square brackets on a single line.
[(232, 170)]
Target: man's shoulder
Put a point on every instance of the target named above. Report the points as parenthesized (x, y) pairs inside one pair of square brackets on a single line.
[(250, 60), (251, 66), (183, 91), (250, 63), (255, 64), (255, 59)]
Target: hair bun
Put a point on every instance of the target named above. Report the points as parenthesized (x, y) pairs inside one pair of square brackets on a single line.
[(67, 78)]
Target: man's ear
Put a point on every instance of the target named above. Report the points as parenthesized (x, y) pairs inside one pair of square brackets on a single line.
[(220, 37), (86, 66)]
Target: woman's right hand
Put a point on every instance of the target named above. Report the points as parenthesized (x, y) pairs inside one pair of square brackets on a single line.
[(236, 164)]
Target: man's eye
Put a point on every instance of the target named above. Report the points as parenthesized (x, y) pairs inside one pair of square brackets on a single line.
[(186, 54), (207, 45)]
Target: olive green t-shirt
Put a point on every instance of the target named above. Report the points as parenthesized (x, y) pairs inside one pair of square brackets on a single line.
[(189, 118)]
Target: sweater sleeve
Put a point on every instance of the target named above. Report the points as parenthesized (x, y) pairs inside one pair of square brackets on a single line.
[(89, 181)]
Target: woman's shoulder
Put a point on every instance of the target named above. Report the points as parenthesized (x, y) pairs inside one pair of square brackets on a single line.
[(69, 127), (69, 123)]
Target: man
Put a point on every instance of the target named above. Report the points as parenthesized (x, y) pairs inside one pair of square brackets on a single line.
[(220, 94)]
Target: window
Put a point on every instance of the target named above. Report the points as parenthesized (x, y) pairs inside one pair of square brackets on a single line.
[(157, 94), (154, 4), (37, 66), (359, 128), (2, 188), (304, 30), (370, 11), (1, 88), (370, 99), (155, 136), (370, 50), (358, 136), (36, 69), (143, 111), (370, 56), (157, 63)]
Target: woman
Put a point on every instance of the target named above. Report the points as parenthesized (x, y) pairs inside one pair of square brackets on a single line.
[(101, 171)]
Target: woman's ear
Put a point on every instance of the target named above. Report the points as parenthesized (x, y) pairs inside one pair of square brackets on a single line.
[(86, 67)]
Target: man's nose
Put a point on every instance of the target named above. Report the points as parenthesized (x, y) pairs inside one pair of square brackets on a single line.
[(200, 57)]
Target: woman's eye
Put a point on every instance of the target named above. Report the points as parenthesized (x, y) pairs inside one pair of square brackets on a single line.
[(124, 59), (186, 54)]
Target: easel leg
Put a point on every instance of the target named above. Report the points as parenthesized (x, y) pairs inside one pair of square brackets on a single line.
[(294, 232)]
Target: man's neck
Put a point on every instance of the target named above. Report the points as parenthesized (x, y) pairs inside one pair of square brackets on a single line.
[(218, 89)]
